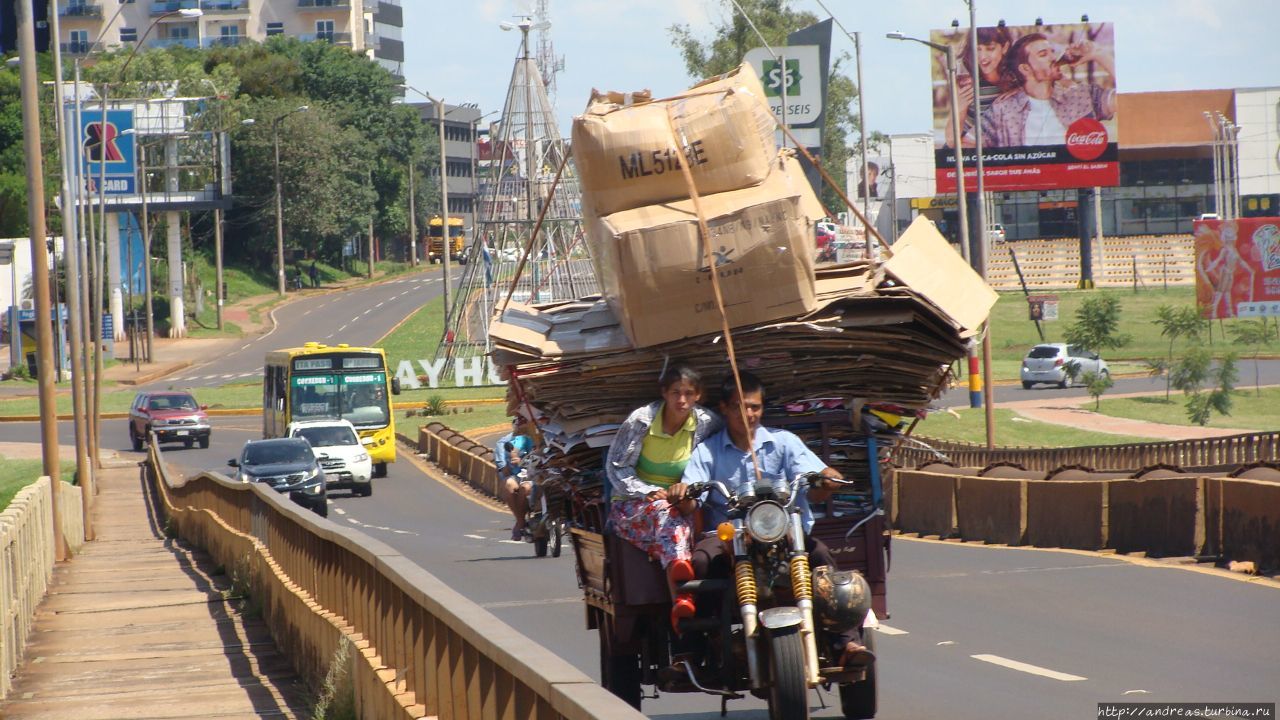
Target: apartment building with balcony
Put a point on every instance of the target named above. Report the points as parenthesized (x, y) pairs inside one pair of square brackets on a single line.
[(369, 26), (460, 128)]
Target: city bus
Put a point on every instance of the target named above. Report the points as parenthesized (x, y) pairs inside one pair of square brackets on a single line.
[(333, 381), (457, 241)]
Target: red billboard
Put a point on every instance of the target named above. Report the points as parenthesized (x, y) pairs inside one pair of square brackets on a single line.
[(1238, 267), (1044, 97)]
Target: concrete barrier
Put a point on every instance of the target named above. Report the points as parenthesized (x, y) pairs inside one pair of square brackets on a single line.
[(420, 648), (27, 556), (993, 510), (1161, 516), (1250, 521), (926, 503), (1066, 514)]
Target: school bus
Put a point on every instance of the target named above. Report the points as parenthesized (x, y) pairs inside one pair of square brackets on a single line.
[(333, 381), (457, 240)]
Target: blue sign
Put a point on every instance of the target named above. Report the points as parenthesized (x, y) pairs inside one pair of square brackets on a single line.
[(108, 326), (108, 145)]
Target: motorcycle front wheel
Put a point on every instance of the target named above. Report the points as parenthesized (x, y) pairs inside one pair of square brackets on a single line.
[(788, 698)]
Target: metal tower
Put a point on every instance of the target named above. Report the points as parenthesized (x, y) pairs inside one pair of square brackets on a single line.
[(527, 151), (548, 63)]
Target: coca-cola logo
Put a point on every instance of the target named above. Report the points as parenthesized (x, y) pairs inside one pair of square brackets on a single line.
[(1086, 139)]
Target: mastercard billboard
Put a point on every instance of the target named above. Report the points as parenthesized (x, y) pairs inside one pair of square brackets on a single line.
[(1043, 98)]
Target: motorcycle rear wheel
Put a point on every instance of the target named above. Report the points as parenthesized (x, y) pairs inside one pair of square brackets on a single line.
[(557, 537), (858, 700), (619, 674), (788, 698)]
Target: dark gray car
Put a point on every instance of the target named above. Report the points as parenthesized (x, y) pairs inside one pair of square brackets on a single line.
[(286, 465)]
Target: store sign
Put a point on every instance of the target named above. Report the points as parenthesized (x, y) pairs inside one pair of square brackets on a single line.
[(1238, 267)]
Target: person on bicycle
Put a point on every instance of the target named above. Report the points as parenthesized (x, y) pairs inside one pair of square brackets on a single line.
[(508, 458), (649, 506), (727, 457)]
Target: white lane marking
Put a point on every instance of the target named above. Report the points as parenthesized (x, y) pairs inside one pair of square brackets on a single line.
[(1136, 692), (514, 542), (307, 312), (1028, 668), (890, 630), (946, 642), (384, 302), (473, 537), (337, 510), (209, 377), (523, 603), (366, 312), (244, 346), (228, 375), (344, 327)]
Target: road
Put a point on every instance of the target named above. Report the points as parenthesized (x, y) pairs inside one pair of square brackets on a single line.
[(1085, 628), (358, 316)]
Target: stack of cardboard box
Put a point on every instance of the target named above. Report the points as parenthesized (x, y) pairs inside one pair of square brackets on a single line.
[(642, 225)]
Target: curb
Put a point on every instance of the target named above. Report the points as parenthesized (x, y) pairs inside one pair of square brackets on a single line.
[(157, 374)]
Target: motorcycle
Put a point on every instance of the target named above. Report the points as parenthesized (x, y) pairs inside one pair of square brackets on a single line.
[(545, 519), (765, 630)]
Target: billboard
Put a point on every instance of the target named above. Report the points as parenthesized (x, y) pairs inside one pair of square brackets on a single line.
[(1238, 267), (1045, 96), (109, 143)]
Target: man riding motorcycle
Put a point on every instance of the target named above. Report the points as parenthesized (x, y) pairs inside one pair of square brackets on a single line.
[(727, 457)]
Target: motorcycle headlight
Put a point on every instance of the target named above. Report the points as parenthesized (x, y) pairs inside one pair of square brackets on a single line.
[(767, 522)]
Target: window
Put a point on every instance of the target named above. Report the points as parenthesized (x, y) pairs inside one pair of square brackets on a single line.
[(80, 37), (324, 30), (230, 31), (180, 32), (128, 34), (275, 28)]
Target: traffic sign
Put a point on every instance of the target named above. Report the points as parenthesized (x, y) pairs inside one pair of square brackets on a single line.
[(6, 252)]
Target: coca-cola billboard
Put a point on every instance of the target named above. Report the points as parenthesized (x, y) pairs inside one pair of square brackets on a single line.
[(1044, 99)]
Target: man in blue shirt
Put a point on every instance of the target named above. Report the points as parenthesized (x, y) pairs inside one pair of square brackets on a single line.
[(508, 455), (726, 457)]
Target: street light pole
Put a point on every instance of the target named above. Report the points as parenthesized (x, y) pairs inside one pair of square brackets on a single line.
[(862, 131), (982, 246), (275, 142), (39, 261), (446, 241)]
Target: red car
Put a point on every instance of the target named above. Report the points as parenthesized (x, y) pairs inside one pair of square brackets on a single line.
[(173, 416)]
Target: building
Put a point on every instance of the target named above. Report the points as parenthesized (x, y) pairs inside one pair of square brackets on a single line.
[(460, 150), (369, 26), (1166, 170)]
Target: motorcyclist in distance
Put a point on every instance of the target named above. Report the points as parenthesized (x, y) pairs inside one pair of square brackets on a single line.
[(726, 457)]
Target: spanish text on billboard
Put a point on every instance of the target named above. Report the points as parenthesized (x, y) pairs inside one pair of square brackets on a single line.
[(1238, 267), (1045, 98)]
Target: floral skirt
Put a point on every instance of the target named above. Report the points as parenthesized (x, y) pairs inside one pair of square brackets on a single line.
[(654, 528)]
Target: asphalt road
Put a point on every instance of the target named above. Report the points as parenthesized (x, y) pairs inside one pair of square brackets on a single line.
[(359, 316), (974, 633)]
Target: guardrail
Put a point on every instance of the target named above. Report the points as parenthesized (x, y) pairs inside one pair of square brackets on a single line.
[(26, 562), (1219, 517), (422, 649), (1200, 453), (459, 455)]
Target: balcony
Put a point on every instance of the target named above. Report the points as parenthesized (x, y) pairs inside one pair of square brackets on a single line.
[(83, 10), (161, 43), (224, 41), (324, 4), (75, 48), (160, 7), (224, 6), (337, 38)]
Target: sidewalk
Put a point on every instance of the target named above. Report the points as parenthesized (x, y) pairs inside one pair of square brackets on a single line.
[(141, 626), (1069, 412)]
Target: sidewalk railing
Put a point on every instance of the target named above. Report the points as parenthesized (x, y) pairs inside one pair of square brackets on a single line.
[(1198, 453), (422, 649), (26, 562), (459, 455)]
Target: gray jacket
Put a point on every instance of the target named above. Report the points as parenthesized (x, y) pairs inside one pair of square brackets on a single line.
[(624, 453)]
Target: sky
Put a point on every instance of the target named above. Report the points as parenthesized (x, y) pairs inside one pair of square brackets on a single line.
[(456, 50)]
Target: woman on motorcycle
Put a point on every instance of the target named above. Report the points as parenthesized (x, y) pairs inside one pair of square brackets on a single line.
[(650, 508)]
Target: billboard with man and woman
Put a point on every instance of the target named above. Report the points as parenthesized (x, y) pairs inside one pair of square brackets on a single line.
[(1044, 97)]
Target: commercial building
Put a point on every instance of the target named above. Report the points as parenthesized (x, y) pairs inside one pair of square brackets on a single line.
[(369, 26), (1166, 170), (460, 150)]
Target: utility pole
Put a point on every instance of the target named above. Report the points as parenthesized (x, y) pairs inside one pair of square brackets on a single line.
[(369, 270), (981, 245), (39, 262), (445, 230), (413, 220), (71, 253)]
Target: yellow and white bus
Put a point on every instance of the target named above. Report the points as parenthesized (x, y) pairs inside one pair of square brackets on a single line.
[(333, 381)]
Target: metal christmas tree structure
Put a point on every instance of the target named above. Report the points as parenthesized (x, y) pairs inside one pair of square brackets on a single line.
[(528, 154)]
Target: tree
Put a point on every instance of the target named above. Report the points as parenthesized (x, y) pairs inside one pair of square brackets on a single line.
[(733, 38), (1097, 384), (1257, 335), (1177, 323), (1097, 325), (1189, 375)]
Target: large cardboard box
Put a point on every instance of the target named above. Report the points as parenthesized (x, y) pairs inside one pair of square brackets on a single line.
[(656, 278), (627, 157)]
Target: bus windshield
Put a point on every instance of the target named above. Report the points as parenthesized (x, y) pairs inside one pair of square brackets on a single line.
[(358, 397)]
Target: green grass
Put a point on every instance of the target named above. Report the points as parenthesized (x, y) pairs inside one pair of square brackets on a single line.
[(416, 339), (466, 417), (1249, 411), (17, 474), (971, 427)]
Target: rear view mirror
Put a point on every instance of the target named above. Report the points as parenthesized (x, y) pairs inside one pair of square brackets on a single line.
[(395, 386), (233, 463)]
